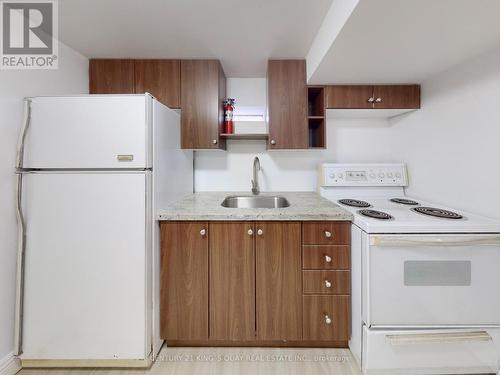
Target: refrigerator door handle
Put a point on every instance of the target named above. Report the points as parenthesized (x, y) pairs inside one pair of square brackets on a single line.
[(21, 248), (22, 135)]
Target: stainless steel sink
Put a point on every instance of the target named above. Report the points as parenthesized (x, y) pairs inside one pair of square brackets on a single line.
[(264, 201)]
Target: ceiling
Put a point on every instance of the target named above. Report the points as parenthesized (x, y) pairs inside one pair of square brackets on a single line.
[(243, 34), (402, 41)]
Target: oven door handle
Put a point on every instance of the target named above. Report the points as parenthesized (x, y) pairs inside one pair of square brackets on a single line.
[(438, 338), (433, 240)]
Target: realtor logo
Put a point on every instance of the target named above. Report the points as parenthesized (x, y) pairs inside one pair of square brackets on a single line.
[(29, 34)]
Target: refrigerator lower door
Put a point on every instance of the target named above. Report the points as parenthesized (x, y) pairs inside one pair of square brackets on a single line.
[(85, 266), (88, 132)]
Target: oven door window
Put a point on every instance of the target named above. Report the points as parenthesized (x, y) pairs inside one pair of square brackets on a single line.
[(437, 273)]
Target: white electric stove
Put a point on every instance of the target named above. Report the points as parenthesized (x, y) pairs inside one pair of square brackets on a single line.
[(424, 276)]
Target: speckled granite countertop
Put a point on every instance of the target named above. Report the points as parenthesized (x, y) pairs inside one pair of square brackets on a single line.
[(207, 206)]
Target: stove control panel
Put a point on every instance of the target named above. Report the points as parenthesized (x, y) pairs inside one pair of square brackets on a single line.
[(332, 174)]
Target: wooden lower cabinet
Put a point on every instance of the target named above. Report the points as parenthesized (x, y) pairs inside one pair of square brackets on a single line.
[(278, 288), (253, 284), (184, 281), (326, 318), (232, 281)]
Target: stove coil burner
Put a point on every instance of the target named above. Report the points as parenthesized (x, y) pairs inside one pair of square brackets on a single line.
[(437, 212), (408, 202), (376, 214), (354, 203)]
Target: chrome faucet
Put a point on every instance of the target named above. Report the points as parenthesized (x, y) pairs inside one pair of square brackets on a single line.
[(255, 181)]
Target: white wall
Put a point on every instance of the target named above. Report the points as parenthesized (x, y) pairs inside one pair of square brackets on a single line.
[(70, 78), (348, 141), (452, 144)]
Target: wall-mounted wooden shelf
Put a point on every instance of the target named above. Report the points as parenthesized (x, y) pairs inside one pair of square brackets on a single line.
[(316, 116), (244, 136)]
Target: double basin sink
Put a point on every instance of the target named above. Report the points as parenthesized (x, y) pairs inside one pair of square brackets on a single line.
[(265, 201)]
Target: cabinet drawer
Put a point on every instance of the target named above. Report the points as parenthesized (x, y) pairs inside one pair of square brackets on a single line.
[(326, 257), (326, 318), (326, 282), (326, 233)]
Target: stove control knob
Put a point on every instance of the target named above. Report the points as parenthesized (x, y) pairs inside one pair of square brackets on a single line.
[(372, 175), (398, 175), (381, 175), (389, 175), (341, 176), (331, 175)]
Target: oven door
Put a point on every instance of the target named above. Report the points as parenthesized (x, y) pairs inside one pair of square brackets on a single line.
[(431, 280)]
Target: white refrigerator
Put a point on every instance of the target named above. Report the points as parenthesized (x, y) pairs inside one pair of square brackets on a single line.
[(92, 171)]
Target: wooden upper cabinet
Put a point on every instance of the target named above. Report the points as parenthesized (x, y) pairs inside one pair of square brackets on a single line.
[(396, 96), (161, 78), (111, 76), (278, 281), (287, 104), (184, 281), (232, 281), (373, 97), (345, 96), (203, 90)]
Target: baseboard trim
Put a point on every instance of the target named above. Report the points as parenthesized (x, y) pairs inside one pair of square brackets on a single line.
[(86, 363), (9, 365)]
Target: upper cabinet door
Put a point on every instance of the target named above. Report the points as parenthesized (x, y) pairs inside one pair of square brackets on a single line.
[(203, 89), (111, 76), (346, 96), (161, 78), (287, 102), (396, 96)]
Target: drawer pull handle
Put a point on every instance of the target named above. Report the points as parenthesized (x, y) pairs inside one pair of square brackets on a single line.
[(203, 232), (328, 284), (328, 234), (250, 232), (328, 259), (328, 320), (260, 232)]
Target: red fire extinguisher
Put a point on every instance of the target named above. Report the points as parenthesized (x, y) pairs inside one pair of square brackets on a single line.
[(228, 116)]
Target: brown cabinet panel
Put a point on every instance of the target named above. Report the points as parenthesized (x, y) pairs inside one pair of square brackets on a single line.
[(111, 76), (326, 233), (349, 96), (323, 257), (326, 317), (287, 103), (202, 95), (326, 282), (161, 78), (184, 281), (396, 96), (232, 281), (278, 281)]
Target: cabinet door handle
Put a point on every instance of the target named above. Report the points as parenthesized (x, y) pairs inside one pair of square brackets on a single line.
[(378, 100), (203, 231), (214, 141), (260, 232), (328, 284), (328, 259), (273, 142), (250, 232), (328, 234), (328, 320), (371, 100)]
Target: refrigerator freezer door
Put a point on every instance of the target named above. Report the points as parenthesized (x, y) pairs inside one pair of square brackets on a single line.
[(89, 132), (85, 279)]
